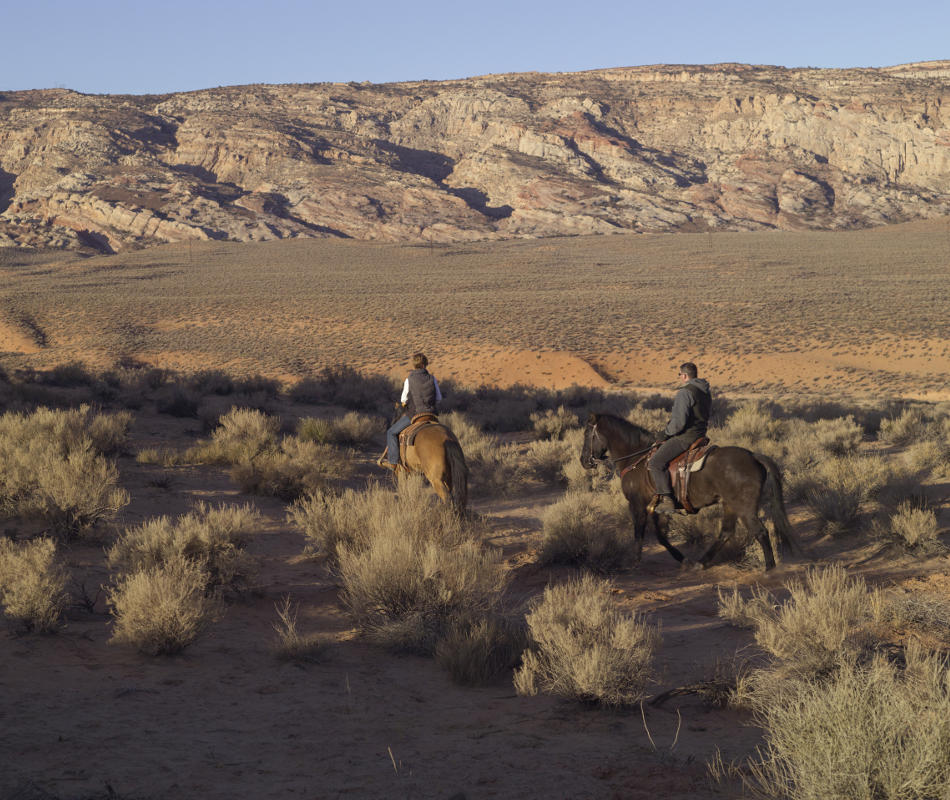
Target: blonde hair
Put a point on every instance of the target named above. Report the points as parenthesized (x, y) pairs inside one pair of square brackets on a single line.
[(419, 361)]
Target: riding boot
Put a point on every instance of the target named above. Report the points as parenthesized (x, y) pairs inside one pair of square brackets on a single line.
[(665, 505)]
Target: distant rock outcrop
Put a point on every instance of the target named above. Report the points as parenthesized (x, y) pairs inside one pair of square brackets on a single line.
[(724, 147)]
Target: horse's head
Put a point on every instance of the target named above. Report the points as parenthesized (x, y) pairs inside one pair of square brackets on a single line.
[(595, 447)]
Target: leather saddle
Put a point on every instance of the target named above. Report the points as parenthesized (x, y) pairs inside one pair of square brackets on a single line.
[(408, 436), (684, 465)]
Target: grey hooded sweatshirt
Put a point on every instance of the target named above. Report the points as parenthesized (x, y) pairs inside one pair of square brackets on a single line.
[(691, 406)]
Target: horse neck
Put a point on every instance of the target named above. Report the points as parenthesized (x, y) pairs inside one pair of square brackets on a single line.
[(622, 437)]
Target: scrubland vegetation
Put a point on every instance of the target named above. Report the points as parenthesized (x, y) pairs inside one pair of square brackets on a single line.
[(848, 680)]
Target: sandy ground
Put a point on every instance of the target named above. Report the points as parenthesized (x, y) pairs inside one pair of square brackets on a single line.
[(82, 717)]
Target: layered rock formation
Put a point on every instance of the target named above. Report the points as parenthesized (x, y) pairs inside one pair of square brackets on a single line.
[(725, 147)]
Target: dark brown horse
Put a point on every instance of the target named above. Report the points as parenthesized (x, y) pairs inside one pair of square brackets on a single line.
[(436, 453), (735, 477)]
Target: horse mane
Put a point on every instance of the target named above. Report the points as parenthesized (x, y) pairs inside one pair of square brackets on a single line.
[(633, 435)]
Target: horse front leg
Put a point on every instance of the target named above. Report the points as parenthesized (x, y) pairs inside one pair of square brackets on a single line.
[(660, 528), (639, 516)]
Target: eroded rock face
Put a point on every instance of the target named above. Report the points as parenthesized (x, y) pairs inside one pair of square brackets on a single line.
[(726, 147)]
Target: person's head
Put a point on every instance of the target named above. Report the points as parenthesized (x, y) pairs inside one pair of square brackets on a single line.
[(419, 361), (688, 371)]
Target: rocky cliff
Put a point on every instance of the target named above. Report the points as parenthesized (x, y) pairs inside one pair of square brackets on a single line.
[(724, 147)]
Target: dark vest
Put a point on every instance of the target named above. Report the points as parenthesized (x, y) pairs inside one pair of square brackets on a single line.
[(421, 393), (698, 413)]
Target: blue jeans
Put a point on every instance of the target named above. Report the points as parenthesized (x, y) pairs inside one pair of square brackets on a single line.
[(392, 438)]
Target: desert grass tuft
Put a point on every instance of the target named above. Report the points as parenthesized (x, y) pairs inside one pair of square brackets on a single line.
[(583, 648), (32, 584), (290, 644)]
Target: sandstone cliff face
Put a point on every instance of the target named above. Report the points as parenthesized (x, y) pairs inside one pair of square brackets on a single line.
[(725, 147)]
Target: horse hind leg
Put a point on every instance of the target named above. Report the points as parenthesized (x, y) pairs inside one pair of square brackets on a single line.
[(727, 528), (757, 529), (438, 479)]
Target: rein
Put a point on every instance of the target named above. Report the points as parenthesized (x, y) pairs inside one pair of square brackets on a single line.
[(615, 461)]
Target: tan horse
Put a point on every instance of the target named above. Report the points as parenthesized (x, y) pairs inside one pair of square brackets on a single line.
[(437, 454)]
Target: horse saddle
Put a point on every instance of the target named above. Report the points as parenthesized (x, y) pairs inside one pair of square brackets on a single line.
[(684, 465), (408, 436)]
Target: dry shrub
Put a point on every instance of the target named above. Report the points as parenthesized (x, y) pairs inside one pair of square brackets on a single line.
[(927, 612), (502, 471), (352, 428), (872, 732), (551, 424), (161, 609), (293, 470), (827, 620), (750, 425), (342, 385), (177, 401), (162, 456), (915, 529), (242, 435), (211, 538), (352, 519), (913, 424), (650, 419), (589, 529), (478, 652), (746, 612), (415, 574), (584, 649), (32, 583), (931, 455), (475, 443), (405, 594), (546, 459), (54, 470), (290, 645), (842, 486), (809, 444)]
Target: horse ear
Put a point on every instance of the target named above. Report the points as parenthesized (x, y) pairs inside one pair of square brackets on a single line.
[(592, 419)]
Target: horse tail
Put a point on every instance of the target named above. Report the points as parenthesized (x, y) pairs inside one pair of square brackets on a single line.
[(458, 473), (772, 491)]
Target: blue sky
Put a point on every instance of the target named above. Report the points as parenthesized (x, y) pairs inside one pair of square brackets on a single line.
[(109, 46)]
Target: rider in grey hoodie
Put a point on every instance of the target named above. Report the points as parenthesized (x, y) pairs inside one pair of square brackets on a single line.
[(688, 422)]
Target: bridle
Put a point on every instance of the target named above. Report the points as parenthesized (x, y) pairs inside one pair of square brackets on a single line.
[(589, 436)]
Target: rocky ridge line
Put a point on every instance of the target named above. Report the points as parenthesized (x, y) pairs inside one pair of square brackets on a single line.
[(647, 149)]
